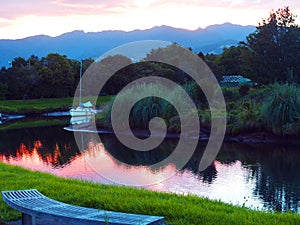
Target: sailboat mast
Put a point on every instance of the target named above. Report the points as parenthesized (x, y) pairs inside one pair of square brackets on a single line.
[(80, 82)]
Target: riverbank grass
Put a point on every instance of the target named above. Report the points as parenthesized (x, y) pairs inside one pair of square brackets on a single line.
[(29, 123), (43, 104), (176, 209)]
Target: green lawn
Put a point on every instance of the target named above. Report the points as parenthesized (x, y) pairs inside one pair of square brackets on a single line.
[(43, 104), (29, 123), (183, 210)]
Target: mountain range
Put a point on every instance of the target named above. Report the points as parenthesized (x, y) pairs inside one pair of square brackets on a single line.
[(80, 45)]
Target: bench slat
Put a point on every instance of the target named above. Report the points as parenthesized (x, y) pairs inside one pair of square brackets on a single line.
[(33, 204)]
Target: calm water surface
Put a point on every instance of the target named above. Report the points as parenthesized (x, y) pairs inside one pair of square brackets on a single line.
[(257, 176)]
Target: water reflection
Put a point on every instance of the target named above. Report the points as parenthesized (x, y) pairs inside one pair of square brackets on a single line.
[(36, 148), (78, 120), (259, 176), (137, 158), (275, 170)]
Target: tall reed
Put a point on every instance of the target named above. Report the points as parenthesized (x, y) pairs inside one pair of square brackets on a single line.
[(281, 109)]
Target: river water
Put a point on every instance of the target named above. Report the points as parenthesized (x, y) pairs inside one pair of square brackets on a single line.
[(257, 176)]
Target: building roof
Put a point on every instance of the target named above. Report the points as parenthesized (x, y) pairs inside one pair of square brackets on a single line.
[(235, 79)]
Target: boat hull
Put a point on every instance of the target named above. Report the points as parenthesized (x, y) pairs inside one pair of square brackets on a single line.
[(82, 112)]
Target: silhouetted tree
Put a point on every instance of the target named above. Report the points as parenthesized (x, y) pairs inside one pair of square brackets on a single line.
[(274, 49)]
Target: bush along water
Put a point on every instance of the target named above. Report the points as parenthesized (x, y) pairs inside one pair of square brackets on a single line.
[(281, 109), (150, 107), (272, 109)]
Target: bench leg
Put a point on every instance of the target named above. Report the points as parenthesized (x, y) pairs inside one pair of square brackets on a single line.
[(28, 219)]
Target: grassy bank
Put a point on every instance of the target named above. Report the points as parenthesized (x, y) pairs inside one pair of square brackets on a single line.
[(29, 123), (42, 105), (176, 209)]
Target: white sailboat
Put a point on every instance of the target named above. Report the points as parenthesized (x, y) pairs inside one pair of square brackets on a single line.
[(84, 109)]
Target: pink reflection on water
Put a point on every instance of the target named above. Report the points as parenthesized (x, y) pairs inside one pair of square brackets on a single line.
[(27, 157), (32, 159), (92, 164), (107, 166), (232, 183)]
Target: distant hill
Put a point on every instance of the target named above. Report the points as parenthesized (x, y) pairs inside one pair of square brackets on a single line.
[(78, 44)]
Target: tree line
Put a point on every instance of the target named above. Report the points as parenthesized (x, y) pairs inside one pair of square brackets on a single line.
[(270, 54), (47, 77)]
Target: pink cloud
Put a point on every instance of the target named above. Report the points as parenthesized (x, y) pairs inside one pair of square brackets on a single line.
[(5, 23), (14, 8), (238, 4)]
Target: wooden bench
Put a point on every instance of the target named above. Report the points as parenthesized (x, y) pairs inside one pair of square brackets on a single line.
[(34, 205)]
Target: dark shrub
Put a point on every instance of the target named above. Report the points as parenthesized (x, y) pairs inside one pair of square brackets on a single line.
[(244, 89)]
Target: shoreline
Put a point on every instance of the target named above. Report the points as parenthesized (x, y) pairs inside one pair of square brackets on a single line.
[(251, 138), (258, 137)]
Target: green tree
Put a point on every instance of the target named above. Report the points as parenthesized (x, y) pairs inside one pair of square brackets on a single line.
[(46, 85), (62, 75), (177, 57), (119, 78), (231, 60), (201, 55), (3, 90), (33, 67), (212, 61), (51, 76), (274, 49), (18, 79), (76, 71)]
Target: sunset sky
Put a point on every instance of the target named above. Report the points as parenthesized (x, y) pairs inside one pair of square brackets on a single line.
[(23, 18)]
